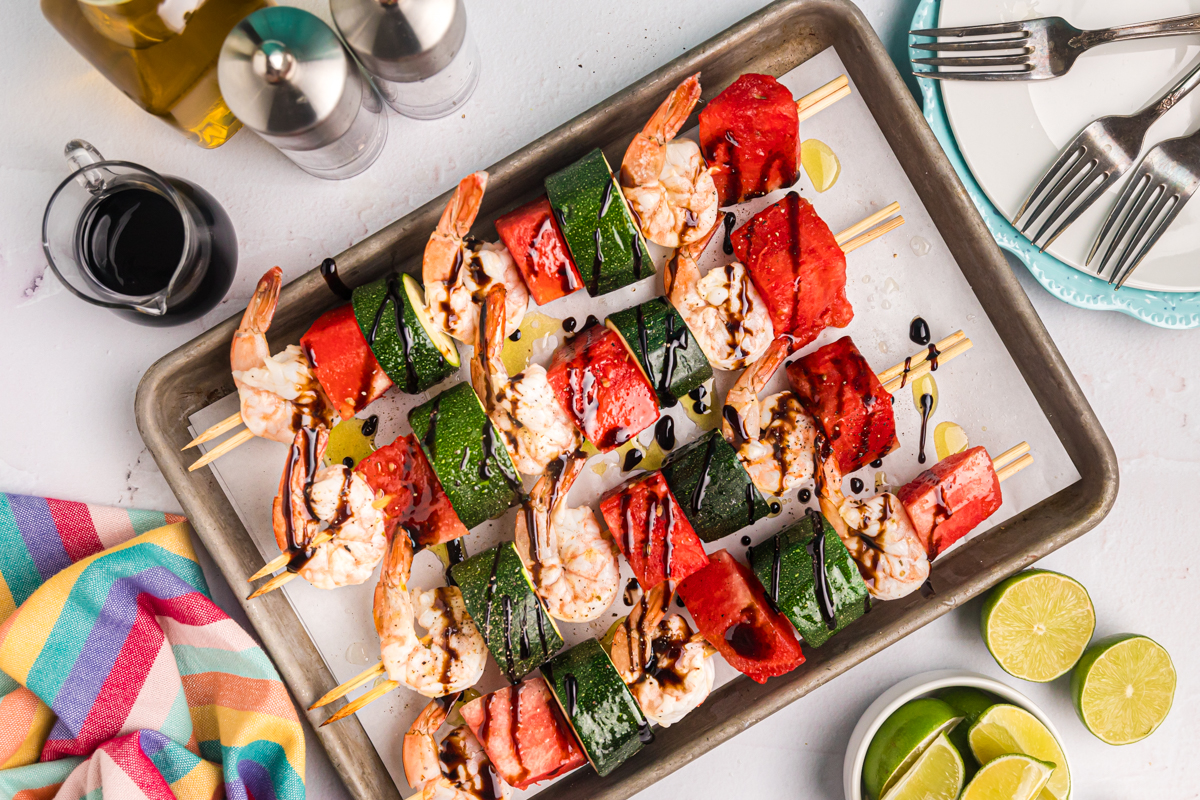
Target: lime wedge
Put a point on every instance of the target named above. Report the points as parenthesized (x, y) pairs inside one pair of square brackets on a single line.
[(1011, 777), (1036, 624), (937, 774), (821, 164), (969, 704), (1123, 688), (1007, 730), (901, 739)]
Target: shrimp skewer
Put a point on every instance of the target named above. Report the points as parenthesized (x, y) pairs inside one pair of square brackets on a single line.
[(666, 181), (457, 269), (523, 407), (573, 563), (665, 664), (456, 769)]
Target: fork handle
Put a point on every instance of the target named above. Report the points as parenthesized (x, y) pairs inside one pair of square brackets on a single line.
[(1173, 26), (1172, 96)]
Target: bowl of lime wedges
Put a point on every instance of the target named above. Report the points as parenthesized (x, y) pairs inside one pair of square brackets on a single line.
[(955, 735)]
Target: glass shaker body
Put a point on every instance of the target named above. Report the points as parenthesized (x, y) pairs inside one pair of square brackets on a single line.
[(289, 79), (419, 53)]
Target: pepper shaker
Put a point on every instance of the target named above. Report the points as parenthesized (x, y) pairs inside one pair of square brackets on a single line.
[(287, 76), (419, 53)]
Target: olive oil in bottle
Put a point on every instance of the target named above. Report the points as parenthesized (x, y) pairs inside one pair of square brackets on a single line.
[(161, 53)]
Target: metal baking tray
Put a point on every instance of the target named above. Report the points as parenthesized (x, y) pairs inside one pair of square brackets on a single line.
[(774, 41)]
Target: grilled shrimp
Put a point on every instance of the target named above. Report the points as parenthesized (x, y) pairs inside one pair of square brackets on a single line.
[(451, 656), (774, 438), (665, 665), (666, 182), (332, 499), (279, 394), (573, 563), (722, 309), (457, 769), (523, 408), (879, 535), (457, 269)]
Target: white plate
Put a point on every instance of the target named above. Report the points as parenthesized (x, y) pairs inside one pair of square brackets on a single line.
[(1010, 133)]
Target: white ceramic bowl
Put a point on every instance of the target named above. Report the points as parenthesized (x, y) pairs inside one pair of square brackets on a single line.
[(910, 689)]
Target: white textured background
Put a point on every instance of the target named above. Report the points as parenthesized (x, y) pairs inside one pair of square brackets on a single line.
[(69, 371)]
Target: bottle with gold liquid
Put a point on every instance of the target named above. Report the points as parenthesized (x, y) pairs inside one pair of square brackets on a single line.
[(161, 53)]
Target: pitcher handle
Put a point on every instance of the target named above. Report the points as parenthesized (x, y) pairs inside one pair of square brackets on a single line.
[(81, 155)]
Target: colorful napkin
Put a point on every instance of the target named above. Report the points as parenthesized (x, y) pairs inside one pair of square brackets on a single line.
[(119, 676)]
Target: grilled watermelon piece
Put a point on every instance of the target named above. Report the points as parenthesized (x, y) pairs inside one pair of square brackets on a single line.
[(416, 500), (750, 134), (948, 500), (343, 362), (602, 388), (537, 245), (652, 531), (839, 389), (798, 268), (524, 733)]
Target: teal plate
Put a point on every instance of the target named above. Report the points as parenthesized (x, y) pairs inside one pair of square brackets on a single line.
[(1164, 309)]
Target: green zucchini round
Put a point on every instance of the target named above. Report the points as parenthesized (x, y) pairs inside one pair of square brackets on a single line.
[(787, 565), (411, 350), (713, 488), (467, 454), (606, 718), (500, 598), (664, 348)]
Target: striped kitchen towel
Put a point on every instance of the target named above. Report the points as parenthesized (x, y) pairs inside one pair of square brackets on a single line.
[(119, 676)]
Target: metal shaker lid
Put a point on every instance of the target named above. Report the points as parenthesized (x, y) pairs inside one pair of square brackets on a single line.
[(285, 74), (402, 40)]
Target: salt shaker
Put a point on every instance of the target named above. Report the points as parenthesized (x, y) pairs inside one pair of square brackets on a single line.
[(419, 53), (287, 76)]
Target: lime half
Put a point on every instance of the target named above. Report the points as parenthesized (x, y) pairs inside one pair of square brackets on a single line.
[(1037, 624), (1009, 777), (1007, 730), (1123, 688), (901, 739), (937, 774)]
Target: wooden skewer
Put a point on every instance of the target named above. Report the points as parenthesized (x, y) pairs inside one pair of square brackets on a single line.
[(822, 98), (357, 703), (866, 224), (873, 234), (1009, 455), (1015, 467), (273, 584), (237, 440), (281, 561), (924, 368), (358, 680), (227, 424), (891, 373)]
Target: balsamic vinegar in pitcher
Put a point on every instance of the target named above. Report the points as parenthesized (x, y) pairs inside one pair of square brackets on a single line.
[(161, 53)]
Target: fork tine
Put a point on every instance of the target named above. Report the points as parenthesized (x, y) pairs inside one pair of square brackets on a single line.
[(1007, 75), (1016, 43), (1128, 202), (1064, 160), (1151, 231), (1088, 183), (1062, 173), (973, 30), (976, 61)]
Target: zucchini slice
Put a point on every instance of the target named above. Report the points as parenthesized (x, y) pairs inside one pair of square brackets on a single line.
[(500, 598), (815, 583), (598, 226), (467, 454), (606, 718), (713, 488), (411, 350), (664, 348)]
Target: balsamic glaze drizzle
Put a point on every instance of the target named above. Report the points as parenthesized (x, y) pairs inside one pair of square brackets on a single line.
[(333, 280), (729, 221), (926, 409), (816, 550)]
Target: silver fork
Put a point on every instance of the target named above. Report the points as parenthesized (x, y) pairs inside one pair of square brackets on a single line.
[(1095, 160), (1165, 180), (1046, 47)]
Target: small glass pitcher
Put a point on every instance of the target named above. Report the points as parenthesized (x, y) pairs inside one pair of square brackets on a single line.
[(156, 249)]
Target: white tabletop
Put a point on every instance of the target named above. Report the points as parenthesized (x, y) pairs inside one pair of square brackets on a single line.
[(71, 370)]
